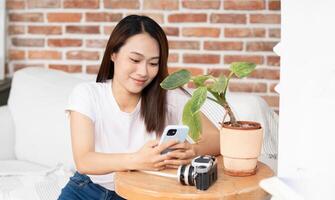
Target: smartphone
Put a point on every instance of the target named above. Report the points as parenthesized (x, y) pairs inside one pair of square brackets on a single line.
[(173, 132)]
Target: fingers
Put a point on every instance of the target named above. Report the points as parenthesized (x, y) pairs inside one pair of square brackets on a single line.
[(177, 162), (160, 169), (184, 145), (172, 166), (152, 143), (166, 145), (172, 159), (180, 154), (153, 166), (160, 158), (159, 165)]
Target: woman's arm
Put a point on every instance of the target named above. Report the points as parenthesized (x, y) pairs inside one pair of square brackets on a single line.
[(90, 162), (209, 143)]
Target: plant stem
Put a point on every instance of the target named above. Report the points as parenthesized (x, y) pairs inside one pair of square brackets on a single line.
[(226, 105), (230, 113), (227, 81)]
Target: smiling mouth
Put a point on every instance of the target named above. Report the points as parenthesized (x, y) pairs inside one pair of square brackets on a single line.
[(139, 81)]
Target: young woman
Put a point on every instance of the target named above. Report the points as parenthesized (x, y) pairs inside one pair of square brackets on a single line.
[(116, 121)]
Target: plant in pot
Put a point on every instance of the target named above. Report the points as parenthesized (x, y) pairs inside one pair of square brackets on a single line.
[(240, 141)]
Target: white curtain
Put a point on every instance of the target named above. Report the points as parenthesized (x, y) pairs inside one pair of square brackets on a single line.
[(306, 159)]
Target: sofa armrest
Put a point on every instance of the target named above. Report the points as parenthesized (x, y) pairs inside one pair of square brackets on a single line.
[(7, 136)]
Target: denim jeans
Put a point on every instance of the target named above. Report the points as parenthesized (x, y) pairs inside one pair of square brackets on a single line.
[(80, 187)]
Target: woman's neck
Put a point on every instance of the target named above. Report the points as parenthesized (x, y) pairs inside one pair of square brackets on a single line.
[(127, 101)]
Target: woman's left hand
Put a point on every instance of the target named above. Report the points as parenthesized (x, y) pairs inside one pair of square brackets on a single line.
[(182, 154)]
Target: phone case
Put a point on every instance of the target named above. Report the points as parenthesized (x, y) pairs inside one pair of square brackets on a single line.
[(180, 135)]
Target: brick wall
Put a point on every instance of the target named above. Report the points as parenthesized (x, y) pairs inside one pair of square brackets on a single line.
[(204, 35)]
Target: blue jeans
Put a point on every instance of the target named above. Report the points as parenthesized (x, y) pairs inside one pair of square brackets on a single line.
[(80, 187)]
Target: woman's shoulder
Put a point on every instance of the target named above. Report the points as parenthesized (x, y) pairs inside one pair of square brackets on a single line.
[(177, 96), (90, 87), (177, 92)]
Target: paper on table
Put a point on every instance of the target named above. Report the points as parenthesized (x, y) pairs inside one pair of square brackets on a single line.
[(170, 173)]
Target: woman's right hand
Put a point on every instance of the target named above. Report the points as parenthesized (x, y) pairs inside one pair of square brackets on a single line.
[(149, 156)]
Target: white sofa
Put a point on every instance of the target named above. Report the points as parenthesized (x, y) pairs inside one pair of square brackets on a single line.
[(35, 150)]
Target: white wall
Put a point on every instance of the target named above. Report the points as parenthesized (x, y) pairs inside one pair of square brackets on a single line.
[(2, 38), (307, 97)]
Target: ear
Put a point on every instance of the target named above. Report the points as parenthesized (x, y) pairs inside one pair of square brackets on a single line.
[(113, 57)]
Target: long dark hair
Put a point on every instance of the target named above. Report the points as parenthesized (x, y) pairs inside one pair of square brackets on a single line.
[(153, 97)]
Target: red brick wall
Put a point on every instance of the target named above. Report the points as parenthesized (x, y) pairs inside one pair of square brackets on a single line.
[(204, 35)]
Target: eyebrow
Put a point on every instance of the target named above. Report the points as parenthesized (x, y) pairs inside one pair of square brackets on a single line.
[(157, 57)]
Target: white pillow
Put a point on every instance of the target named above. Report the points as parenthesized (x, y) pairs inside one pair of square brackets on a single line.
[(37, 101), (6, 134)]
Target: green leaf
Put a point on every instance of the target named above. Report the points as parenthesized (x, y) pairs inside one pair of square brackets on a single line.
[(198, 99), (193, 121), (242, 69), (220, 85), (176, 79), (200, 80)]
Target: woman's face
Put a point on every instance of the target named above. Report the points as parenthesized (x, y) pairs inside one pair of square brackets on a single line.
[(136, 63)]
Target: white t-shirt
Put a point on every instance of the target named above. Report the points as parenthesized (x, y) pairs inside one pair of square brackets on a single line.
[(116, 131)]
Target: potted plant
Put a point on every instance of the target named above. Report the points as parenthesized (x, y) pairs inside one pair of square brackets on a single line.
[(240, 141)]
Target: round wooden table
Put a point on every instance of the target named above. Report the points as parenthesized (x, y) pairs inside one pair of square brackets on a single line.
[(144, 186)]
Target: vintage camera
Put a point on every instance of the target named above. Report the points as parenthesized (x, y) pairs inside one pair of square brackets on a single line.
[(202, 172)]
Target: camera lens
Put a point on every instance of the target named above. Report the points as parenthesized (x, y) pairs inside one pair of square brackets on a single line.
[(171, 132), (180, 174), (190, 175), (185, 174)]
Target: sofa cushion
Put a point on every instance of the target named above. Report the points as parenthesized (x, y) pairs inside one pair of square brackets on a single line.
[(37, 101), (23, 180), (6, 134), (20, 168)]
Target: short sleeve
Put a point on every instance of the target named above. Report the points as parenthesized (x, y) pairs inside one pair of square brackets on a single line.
[(176, 102), (81, 100)]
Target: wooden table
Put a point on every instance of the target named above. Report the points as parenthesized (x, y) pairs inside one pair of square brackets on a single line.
[(139, 185)]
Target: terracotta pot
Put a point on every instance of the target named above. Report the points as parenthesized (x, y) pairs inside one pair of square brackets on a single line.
[(240, 148)]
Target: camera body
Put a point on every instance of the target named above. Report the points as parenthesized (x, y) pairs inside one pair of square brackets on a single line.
[(202, 172)]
